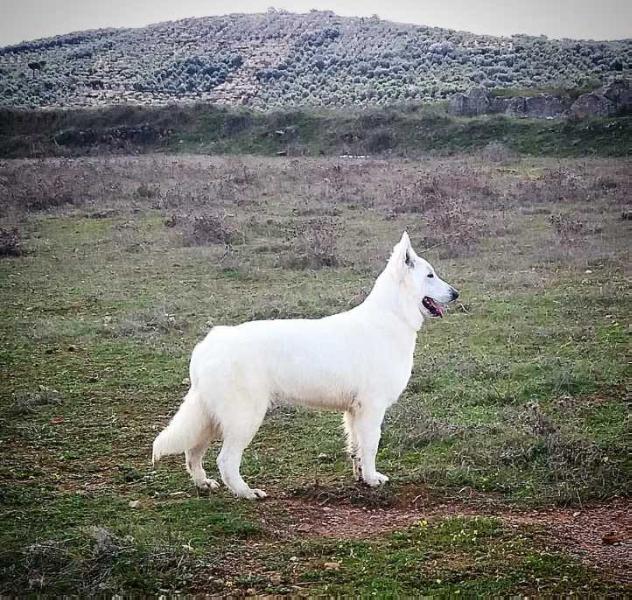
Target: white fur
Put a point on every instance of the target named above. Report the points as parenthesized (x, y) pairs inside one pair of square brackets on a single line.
[(357, 362)]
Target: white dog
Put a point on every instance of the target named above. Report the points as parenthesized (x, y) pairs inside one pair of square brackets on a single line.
[(357, 362)]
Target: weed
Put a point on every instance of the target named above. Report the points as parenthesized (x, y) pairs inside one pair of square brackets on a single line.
[(206, 228), (314, 245), (146, 191), (27, 402), (566, 228), (11, 242)]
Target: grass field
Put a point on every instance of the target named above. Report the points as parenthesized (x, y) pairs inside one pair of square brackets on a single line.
[(508, 453)]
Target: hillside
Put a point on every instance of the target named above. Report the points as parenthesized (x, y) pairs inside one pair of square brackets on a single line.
[(206, 129), (280, 59)]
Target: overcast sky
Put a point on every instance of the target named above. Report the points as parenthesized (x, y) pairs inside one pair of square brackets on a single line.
[(607, 19)]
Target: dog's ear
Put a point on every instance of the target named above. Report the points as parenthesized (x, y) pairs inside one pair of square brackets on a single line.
[(401, 253)]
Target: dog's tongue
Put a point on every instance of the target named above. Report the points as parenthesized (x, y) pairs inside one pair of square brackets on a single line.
[(438, 308), (435, 307)]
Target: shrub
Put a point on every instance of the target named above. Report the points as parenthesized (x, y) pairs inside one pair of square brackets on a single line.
[(203, 229), (566, 228), (146, 191), (454, 228), (10, 242), (313, 246)]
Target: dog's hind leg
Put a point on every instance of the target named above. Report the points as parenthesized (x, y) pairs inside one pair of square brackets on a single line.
[(352, 445), (193, 461), (238, 433), (367, 425)]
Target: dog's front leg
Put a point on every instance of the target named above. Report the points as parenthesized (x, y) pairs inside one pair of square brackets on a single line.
[(352, 445), (367, 425)]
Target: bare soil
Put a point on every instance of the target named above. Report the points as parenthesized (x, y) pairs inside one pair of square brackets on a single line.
[(600, 535)]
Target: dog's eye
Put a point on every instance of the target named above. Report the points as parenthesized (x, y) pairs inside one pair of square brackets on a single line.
[(430, 274)]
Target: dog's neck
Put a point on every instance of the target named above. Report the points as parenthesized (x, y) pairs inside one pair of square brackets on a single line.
[(387, 298)]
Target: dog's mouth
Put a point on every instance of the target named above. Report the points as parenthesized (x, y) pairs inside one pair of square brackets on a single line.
[(433, 307)]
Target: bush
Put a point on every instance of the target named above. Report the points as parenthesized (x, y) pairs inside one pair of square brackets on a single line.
[(146, 191), (204, 229), (10, 242), (567, 228), (314, 246)]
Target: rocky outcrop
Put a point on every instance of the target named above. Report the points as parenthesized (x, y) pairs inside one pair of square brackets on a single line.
[(592, 105), (612, 99), (479, 101), (543, 107), (535, 107), (620, 93)]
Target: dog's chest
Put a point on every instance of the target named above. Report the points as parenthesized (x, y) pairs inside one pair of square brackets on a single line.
[(392, 369)]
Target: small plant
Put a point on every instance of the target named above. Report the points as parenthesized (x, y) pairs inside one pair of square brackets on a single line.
[(27, 402), (454, 228), (314, 246), (10, 242), (204, 229), (171, 220), (566, 228), (149, 322), (146, 191)]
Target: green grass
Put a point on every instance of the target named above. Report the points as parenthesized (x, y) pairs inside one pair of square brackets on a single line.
[(450, 557), (518, 395), (206, 129), (565, 92)]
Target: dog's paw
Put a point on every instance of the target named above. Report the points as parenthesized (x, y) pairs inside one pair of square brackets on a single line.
[(251, 494), (207, 485), (376, 480)]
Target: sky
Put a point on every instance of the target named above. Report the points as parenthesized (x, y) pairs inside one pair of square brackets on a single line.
[(607, 19)]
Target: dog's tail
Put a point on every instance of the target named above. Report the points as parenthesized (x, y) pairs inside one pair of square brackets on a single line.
[(185, 430)]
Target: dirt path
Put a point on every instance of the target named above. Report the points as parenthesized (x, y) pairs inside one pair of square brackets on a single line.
[(600, 535)]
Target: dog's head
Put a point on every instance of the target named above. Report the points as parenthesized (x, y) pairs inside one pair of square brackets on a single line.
[(418, 281)]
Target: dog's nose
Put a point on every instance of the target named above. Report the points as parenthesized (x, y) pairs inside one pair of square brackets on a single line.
[(455, 294)]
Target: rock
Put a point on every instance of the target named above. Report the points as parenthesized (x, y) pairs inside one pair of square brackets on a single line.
[(458, 105), (499, 105), (542, 107), (517, 107), (592, 105), (478, 101), (619, 92)]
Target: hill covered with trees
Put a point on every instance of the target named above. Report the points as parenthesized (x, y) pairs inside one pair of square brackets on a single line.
[(279, 59)]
